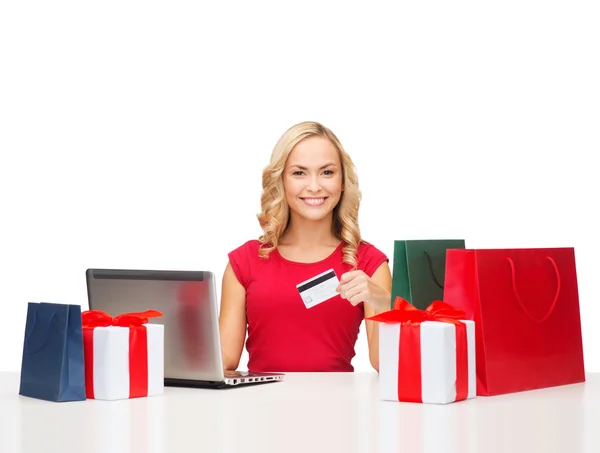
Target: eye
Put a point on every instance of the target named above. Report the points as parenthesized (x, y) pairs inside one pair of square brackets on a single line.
[(298, 173), (328, 172)]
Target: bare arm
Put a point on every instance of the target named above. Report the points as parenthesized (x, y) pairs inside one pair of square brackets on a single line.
[(232, 319), (383, 279), (375, 292)]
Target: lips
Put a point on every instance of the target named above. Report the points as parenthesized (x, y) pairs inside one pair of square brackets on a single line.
[(314, 201)]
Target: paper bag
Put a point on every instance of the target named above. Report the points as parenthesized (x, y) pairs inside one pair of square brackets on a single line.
[(52, 366), (419, 269), (525, 305)]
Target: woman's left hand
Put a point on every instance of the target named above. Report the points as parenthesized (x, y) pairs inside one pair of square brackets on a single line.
[(357, 287)]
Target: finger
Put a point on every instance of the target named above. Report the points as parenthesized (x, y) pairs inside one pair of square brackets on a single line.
[(356, 299), (345, 287), (349, 276), (355, 295), (343, 284), (343, 291)]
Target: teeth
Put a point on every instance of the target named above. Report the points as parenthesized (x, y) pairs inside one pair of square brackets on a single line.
[(314, 201)]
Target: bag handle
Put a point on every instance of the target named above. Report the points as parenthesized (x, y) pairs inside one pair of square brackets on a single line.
[(46, 334), (431, 270), (520, 302)]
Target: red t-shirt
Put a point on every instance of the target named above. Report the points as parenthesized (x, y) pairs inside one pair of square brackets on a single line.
[(285, 336)]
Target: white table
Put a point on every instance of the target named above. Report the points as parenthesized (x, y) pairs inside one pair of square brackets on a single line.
[(305, 413)]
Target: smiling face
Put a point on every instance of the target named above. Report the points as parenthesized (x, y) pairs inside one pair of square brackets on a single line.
[(312, 178)]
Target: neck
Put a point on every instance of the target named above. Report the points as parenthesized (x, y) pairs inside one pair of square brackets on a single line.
[(309, 233)]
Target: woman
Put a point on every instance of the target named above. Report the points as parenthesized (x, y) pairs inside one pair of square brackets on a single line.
[(309, 217)]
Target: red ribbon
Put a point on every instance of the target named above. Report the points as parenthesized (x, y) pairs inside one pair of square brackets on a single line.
[(138, 346), (409, 359)]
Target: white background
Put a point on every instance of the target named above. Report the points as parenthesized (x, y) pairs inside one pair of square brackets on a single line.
[(133, 134)]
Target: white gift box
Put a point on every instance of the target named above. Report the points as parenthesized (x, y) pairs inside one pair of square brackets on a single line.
[(437, 375), (111, 377)]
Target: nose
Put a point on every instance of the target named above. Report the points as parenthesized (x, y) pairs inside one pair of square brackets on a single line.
[(314, 185)]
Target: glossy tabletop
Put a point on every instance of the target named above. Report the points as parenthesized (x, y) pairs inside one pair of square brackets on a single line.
[(304, 413)]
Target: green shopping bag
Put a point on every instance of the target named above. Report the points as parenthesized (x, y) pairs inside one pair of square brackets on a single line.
[(419, 269)]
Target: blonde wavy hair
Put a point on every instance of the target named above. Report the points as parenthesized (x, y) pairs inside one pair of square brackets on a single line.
[(274, 216)]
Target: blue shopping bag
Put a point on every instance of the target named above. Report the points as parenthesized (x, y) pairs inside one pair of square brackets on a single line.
[(52, 366)]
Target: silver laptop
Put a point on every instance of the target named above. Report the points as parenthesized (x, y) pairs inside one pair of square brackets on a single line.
[(188, 302)]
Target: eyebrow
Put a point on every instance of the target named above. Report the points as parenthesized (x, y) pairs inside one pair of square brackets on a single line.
[(330, 164)]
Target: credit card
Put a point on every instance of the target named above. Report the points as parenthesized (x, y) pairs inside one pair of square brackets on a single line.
[(318, 288)]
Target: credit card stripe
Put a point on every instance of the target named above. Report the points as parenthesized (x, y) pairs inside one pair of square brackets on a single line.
[(317, 281)]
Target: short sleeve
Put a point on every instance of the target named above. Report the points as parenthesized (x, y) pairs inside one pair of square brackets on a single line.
[(240, 259), (370, 258)]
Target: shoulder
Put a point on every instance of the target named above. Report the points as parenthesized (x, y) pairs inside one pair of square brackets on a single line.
[(247, 248), (370, 258), (246, 253), (243, 258), (368, 250)]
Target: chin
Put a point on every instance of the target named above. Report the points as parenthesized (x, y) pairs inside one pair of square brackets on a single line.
[(315, 218), (321, 215)]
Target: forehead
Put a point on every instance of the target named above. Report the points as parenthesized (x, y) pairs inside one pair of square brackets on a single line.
[(316, 150)]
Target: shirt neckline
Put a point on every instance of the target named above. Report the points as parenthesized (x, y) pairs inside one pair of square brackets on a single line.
[(313, 263)]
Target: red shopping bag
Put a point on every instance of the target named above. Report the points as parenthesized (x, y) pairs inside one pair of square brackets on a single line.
[(525, 305)]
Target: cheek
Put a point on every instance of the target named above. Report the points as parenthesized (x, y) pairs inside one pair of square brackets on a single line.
[(291, 188), (333, 186)]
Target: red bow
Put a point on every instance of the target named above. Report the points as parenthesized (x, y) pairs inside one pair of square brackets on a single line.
[(99, 318), (404, 312)]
